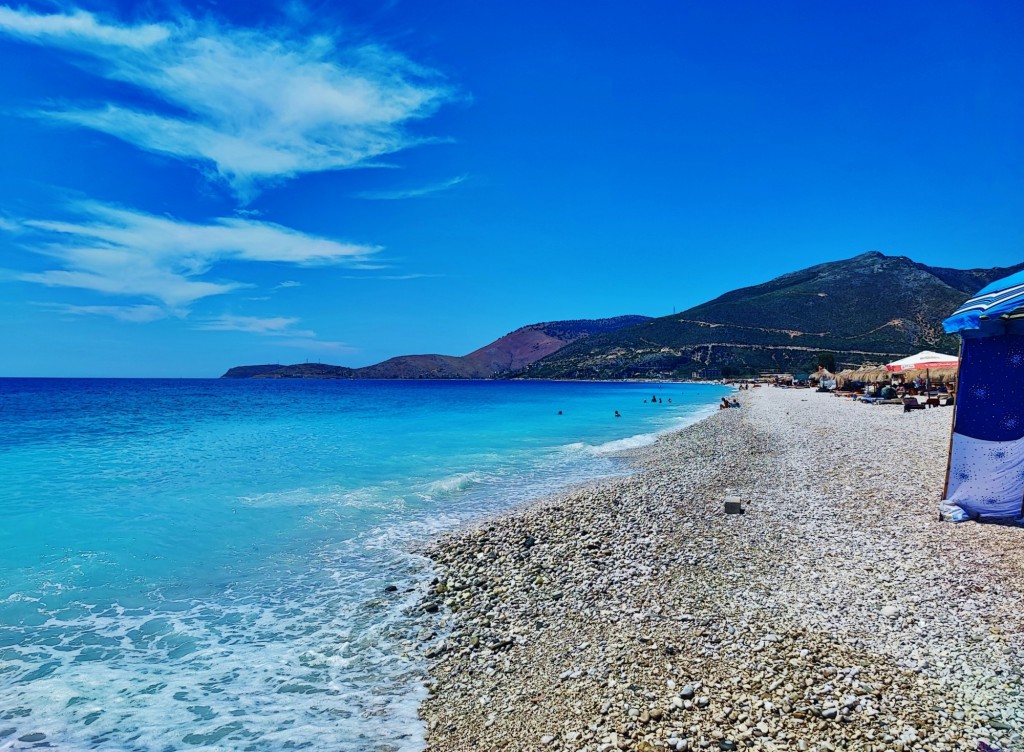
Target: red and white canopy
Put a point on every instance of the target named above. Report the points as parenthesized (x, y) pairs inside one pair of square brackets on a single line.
[(924, 359)]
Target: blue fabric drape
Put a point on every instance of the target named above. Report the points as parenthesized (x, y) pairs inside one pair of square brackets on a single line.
[(991, 392)]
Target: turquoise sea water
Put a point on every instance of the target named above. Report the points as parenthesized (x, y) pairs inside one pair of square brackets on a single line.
[(200, 564)]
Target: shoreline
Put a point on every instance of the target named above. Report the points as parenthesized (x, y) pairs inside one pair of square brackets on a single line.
[(837, 613)]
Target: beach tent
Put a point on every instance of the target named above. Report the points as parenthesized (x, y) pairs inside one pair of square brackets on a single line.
[(923, 361), (985, 474)]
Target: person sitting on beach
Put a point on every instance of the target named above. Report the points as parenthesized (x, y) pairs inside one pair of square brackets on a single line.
[(725, 404), (734, 403)]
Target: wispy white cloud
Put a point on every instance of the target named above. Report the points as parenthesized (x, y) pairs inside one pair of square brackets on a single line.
[(256, 105), (288, 283), (120, 251), (80, 29), (399, 194), (282, 328), (392, 277), (136, 314), (318, 345), (274, 326)]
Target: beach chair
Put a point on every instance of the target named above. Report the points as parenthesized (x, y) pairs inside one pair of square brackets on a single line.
[(911, 403)]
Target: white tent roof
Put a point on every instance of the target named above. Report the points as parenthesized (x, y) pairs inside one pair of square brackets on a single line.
[(924, 359)]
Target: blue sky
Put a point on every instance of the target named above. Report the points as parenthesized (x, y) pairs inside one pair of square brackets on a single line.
[(191, 186)]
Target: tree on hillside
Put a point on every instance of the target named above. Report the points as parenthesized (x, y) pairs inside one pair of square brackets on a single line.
[(827, 360)]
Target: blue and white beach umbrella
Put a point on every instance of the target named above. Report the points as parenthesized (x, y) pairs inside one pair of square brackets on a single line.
[(986, 460), (990, 308)]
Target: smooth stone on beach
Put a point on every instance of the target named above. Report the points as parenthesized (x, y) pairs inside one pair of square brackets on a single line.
[(890, 612)]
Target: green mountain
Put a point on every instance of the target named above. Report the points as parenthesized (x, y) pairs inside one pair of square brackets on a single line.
[(871, 308)]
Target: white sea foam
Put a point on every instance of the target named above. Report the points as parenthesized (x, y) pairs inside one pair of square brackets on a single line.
[(318, 659), (453, 484), (645, 439)]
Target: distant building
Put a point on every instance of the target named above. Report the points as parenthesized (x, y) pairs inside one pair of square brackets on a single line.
[(707, 374)]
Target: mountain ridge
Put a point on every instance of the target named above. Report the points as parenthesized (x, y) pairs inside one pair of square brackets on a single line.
[(871, 307), (510, 353)]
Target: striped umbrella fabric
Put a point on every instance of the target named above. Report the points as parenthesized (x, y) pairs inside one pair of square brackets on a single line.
[(1001, 300)]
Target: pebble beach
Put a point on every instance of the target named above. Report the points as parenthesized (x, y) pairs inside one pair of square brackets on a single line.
[(836, 613)]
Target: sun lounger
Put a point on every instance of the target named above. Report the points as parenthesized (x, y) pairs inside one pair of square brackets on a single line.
[(911, 403)]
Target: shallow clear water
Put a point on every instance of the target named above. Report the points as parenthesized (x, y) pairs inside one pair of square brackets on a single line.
[(201, 563)]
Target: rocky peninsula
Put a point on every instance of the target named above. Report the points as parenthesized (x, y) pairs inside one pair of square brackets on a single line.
[(836, 613)]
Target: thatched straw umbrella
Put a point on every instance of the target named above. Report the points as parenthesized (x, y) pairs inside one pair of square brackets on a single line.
[(936, 375), (864, 375), (844, 377), (874, 375)]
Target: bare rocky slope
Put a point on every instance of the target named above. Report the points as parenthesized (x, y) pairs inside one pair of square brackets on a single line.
[(510, 353)]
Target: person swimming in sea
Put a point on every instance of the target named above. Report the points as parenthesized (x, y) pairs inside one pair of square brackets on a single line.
[(617, 414)]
